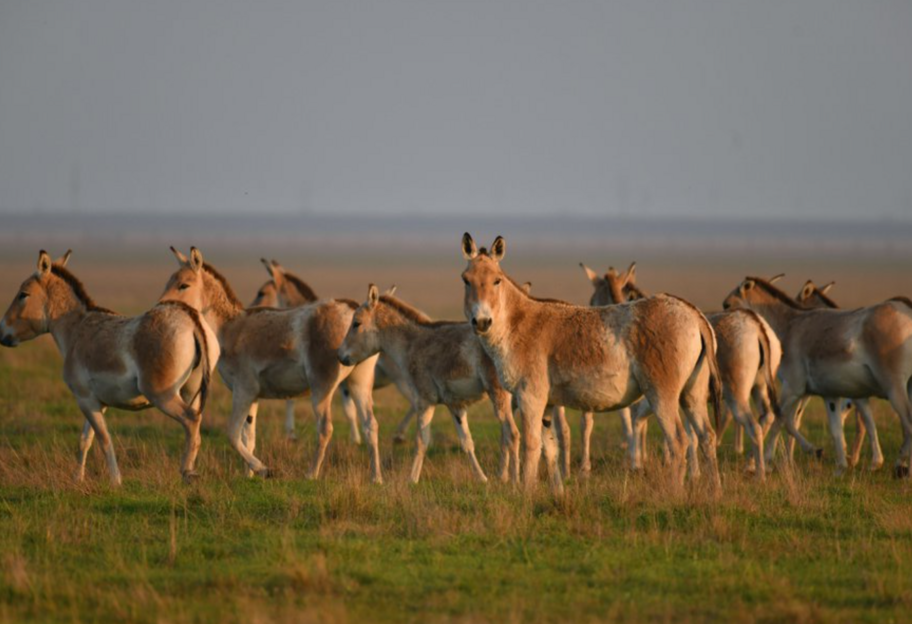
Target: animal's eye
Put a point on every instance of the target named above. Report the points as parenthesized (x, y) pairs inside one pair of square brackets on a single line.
[(356, 324), (183, 287), (497, 281), (23, 296), (465, 281)]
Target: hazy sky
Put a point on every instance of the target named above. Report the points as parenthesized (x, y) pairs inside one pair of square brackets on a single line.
[(702, 107)]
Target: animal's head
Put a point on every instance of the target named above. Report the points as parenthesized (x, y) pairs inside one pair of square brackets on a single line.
[(362, 339), (485, 284), (813, 296), (28, 316), (613, 287), (754, 291), (271, 292), (188, 283)]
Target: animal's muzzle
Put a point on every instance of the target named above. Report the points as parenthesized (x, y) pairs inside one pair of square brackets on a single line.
[(481, 325), (344, 359), (8, 341)]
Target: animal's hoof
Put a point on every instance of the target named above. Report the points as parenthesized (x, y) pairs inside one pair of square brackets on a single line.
[(191, 476), (818, 453), (900, 472), (399, 439), (875, 466), (264, 473), (291, 437)]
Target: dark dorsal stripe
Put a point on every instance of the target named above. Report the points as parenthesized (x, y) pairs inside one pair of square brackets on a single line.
[(301, 286), (229, 291), (776, 293), (412, 314), (349, 302), (902, 299), (823, 298), (78, 289)]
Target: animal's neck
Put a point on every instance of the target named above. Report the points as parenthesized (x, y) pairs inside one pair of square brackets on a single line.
[(518, 318), (65, 313), (395, 331), (778, 315)]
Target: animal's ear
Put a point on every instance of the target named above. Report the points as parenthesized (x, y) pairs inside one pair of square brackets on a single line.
[(527, 288), (268, 266), (807, 290), (747, 285), (373, 295), (390, 291), (180, 257), (592, 275), (469, 250), (44, 263), (498, 248), (196, 259), (826, 287), (630, 276), (776, 278), (62, 260)]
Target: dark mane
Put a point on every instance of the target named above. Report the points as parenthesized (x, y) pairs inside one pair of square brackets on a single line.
[(901, 299), (633, 289), (229, 291), (78, 289), (776, 293), (538, 299), (302, 288), (413, 314), (354, 305), (826, 300)]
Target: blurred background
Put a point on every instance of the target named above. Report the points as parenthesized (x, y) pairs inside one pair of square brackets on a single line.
[(356, 141)]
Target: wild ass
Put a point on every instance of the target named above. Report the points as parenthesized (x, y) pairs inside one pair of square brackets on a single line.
[(444, 364), (854, 354), (594, 359), (270, 353), (748, 353), (162, 358), (811, 296)]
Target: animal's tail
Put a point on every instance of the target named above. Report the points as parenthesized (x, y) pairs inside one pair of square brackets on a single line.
[(766, 351), (201, 342), (708, 338)]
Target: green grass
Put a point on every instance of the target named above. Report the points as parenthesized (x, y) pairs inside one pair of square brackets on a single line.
[(804, 546)]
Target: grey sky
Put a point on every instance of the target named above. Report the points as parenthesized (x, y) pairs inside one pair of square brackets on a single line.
[(779, 108)]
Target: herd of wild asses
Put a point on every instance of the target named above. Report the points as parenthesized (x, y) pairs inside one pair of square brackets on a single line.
[(756, 363)]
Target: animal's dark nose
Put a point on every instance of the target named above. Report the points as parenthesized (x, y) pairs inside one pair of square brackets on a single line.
[(726, 305), (8, 341), (346, 361), (481, 325)]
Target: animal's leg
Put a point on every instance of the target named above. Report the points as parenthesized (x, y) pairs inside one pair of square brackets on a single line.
[(351, 413), (740, 408), (693, 402), (399, 436), (248, 435), (629, 425), (666, 411), (863, 408), (739, 439), (241, 405), (836, 418), (789, 405), (760, 394), (425, 415), (858, 441), (509, 436), (693, 443), (532, 408), (549, 442), (562, 429), (94, 414), (190, 419), (290, 420), (322, 408), (587, 421), (902, 404), (723, 425), (461, 418), (85, 443), (361, 387)]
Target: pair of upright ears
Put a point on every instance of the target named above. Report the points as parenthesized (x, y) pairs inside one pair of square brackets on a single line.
[(470, 251), (627, 277), (195, 261), (45, 263)]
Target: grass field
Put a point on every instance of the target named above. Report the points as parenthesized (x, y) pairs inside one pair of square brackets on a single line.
[(805, 546)]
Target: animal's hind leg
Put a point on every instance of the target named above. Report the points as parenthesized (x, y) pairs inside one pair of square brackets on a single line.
[(85, 443), (241, 404), (562, 429), (402, 428), (863, 408), (789, 405), (666, 411), (190, 419), (351, 413), (902, 404), (745, 419), (694, 404), (693, 443), (461, 417), (532, 409), (322, 407), (509, 436), (836, 417), (587, 420), (94, 413), (861, 430), (423, 439), (290, 420)]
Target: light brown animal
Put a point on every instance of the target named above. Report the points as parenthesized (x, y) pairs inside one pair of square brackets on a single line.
[(269, 353), (854, 354), (162, 358), (594, 359), (748, 353), (811, 296), (443, 364)]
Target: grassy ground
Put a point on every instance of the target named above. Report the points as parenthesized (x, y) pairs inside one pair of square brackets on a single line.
[(804, 546)]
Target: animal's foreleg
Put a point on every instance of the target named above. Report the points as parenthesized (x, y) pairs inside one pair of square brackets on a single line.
[(322, 407), (399, 436), (290, 420), (532, 410), (94, 414), (789, 405), (549, 442), (836, 418), (562, 429), (240, 409), (587, 421), (85, 443), (863, 408), (361, 388), (351, 414), (509, 436), (423, 439)]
